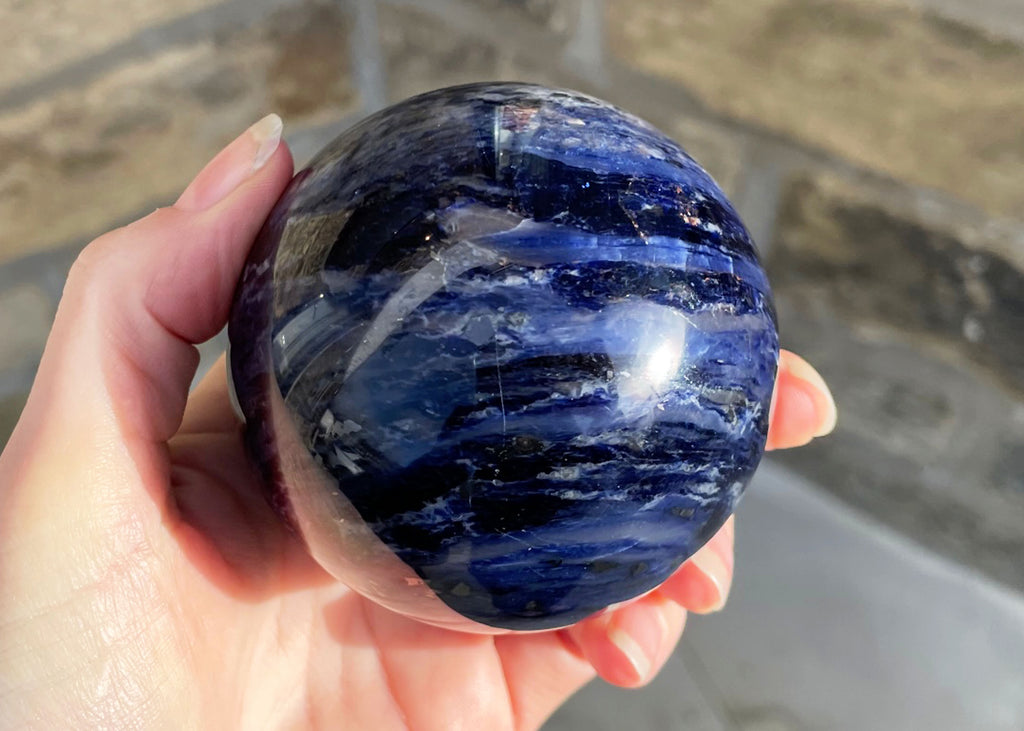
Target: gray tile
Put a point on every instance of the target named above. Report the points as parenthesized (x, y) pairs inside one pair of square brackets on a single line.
[(835, 623), (26, 313), (838, 623)]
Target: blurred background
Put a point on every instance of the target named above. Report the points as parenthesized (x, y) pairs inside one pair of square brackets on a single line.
[(875, 148)]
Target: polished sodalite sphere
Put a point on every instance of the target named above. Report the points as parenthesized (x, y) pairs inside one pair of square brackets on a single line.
[(505, 356)]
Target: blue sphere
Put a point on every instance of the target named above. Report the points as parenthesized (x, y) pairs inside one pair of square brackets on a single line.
[(505, 355)]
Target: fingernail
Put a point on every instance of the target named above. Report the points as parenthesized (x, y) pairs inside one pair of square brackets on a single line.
[(632, 651), (805, 372), (713, 567), (267, 134)]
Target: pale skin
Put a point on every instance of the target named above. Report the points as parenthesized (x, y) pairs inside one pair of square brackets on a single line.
[(144, 583)]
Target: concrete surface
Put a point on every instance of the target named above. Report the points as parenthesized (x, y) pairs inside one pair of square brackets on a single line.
[(834, 623)]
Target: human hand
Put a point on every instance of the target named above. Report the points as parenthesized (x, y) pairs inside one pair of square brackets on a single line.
[(144, 582)]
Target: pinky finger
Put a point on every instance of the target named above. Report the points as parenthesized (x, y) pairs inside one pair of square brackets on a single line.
[(702, 583), (629, 645)]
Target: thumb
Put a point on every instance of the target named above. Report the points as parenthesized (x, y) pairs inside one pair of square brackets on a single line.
[(139, 298), (83, 562), (119, 360)]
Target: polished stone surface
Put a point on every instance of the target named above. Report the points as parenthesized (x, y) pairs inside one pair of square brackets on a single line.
[(508, 348)]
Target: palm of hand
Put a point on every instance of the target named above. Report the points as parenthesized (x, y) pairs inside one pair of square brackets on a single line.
[(310, 650)]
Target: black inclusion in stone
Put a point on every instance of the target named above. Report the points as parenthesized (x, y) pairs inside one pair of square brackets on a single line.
[(623, 204), (599, 283), (527, 386)]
